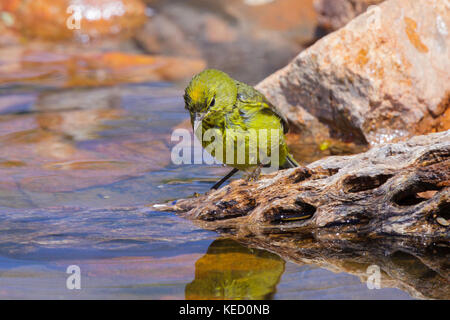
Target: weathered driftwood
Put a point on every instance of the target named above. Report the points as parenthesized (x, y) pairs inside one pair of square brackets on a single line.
[(388, 208), (394, 189)]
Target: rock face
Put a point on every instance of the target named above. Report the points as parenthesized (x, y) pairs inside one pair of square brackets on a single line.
[(395, 189), (334, 14), (383, 76)]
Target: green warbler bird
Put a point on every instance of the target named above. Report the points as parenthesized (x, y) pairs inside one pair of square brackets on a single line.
[(241, 114)]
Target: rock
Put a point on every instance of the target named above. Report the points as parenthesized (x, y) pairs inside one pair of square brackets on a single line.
[(234, 36), (334, 14), (376, 193), (381, 77), (80, 19)]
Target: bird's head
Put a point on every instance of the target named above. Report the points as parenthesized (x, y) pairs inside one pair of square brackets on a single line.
[(209, 90)]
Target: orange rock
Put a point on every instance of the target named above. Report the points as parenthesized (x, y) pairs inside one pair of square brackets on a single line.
[(9, 5), (82, 19), (380, 78), (439, 121), (445, 121)]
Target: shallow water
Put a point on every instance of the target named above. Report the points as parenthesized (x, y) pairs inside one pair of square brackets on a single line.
[(77, 168)]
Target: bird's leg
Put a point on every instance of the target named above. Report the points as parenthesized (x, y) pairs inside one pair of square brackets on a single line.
[(221, 181), (254, 175)]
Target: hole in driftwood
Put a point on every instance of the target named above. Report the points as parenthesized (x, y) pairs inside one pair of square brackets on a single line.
[(415, 194), (363, 183), (306, 207), (302, 212), (300, 175), (444, 210)]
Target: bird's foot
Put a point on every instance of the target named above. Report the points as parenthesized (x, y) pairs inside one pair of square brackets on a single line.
[(254, 175)]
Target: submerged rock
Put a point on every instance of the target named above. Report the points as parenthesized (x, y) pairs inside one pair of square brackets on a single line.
[(383, 76), (66, 140), (90, 69)]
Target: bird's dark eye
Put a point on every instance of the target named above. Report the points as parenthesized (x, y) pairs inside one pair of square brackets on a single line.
[(213, 102)]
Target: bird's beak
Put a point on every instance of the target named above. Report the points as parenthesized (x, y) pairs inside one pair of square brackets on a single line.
[(198, 118)]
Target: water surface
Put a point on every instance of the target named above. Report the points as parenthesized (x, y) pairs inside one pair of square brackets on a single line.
[(77, 169)]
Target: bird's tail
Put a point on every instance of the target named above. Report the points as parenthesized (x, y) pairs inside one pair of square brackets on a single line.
[(290, 163)]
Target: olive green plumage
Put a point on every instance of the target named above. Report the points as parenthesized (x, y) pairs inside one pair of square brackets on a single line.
[(227, 105)]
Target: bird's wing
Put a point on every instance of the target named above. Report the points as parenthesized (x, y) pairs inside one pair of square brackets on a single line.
[(251, 96)]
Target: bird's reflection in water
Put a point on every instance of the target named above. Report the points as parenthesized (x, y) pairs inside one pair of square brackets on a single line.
[(230, 270)]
